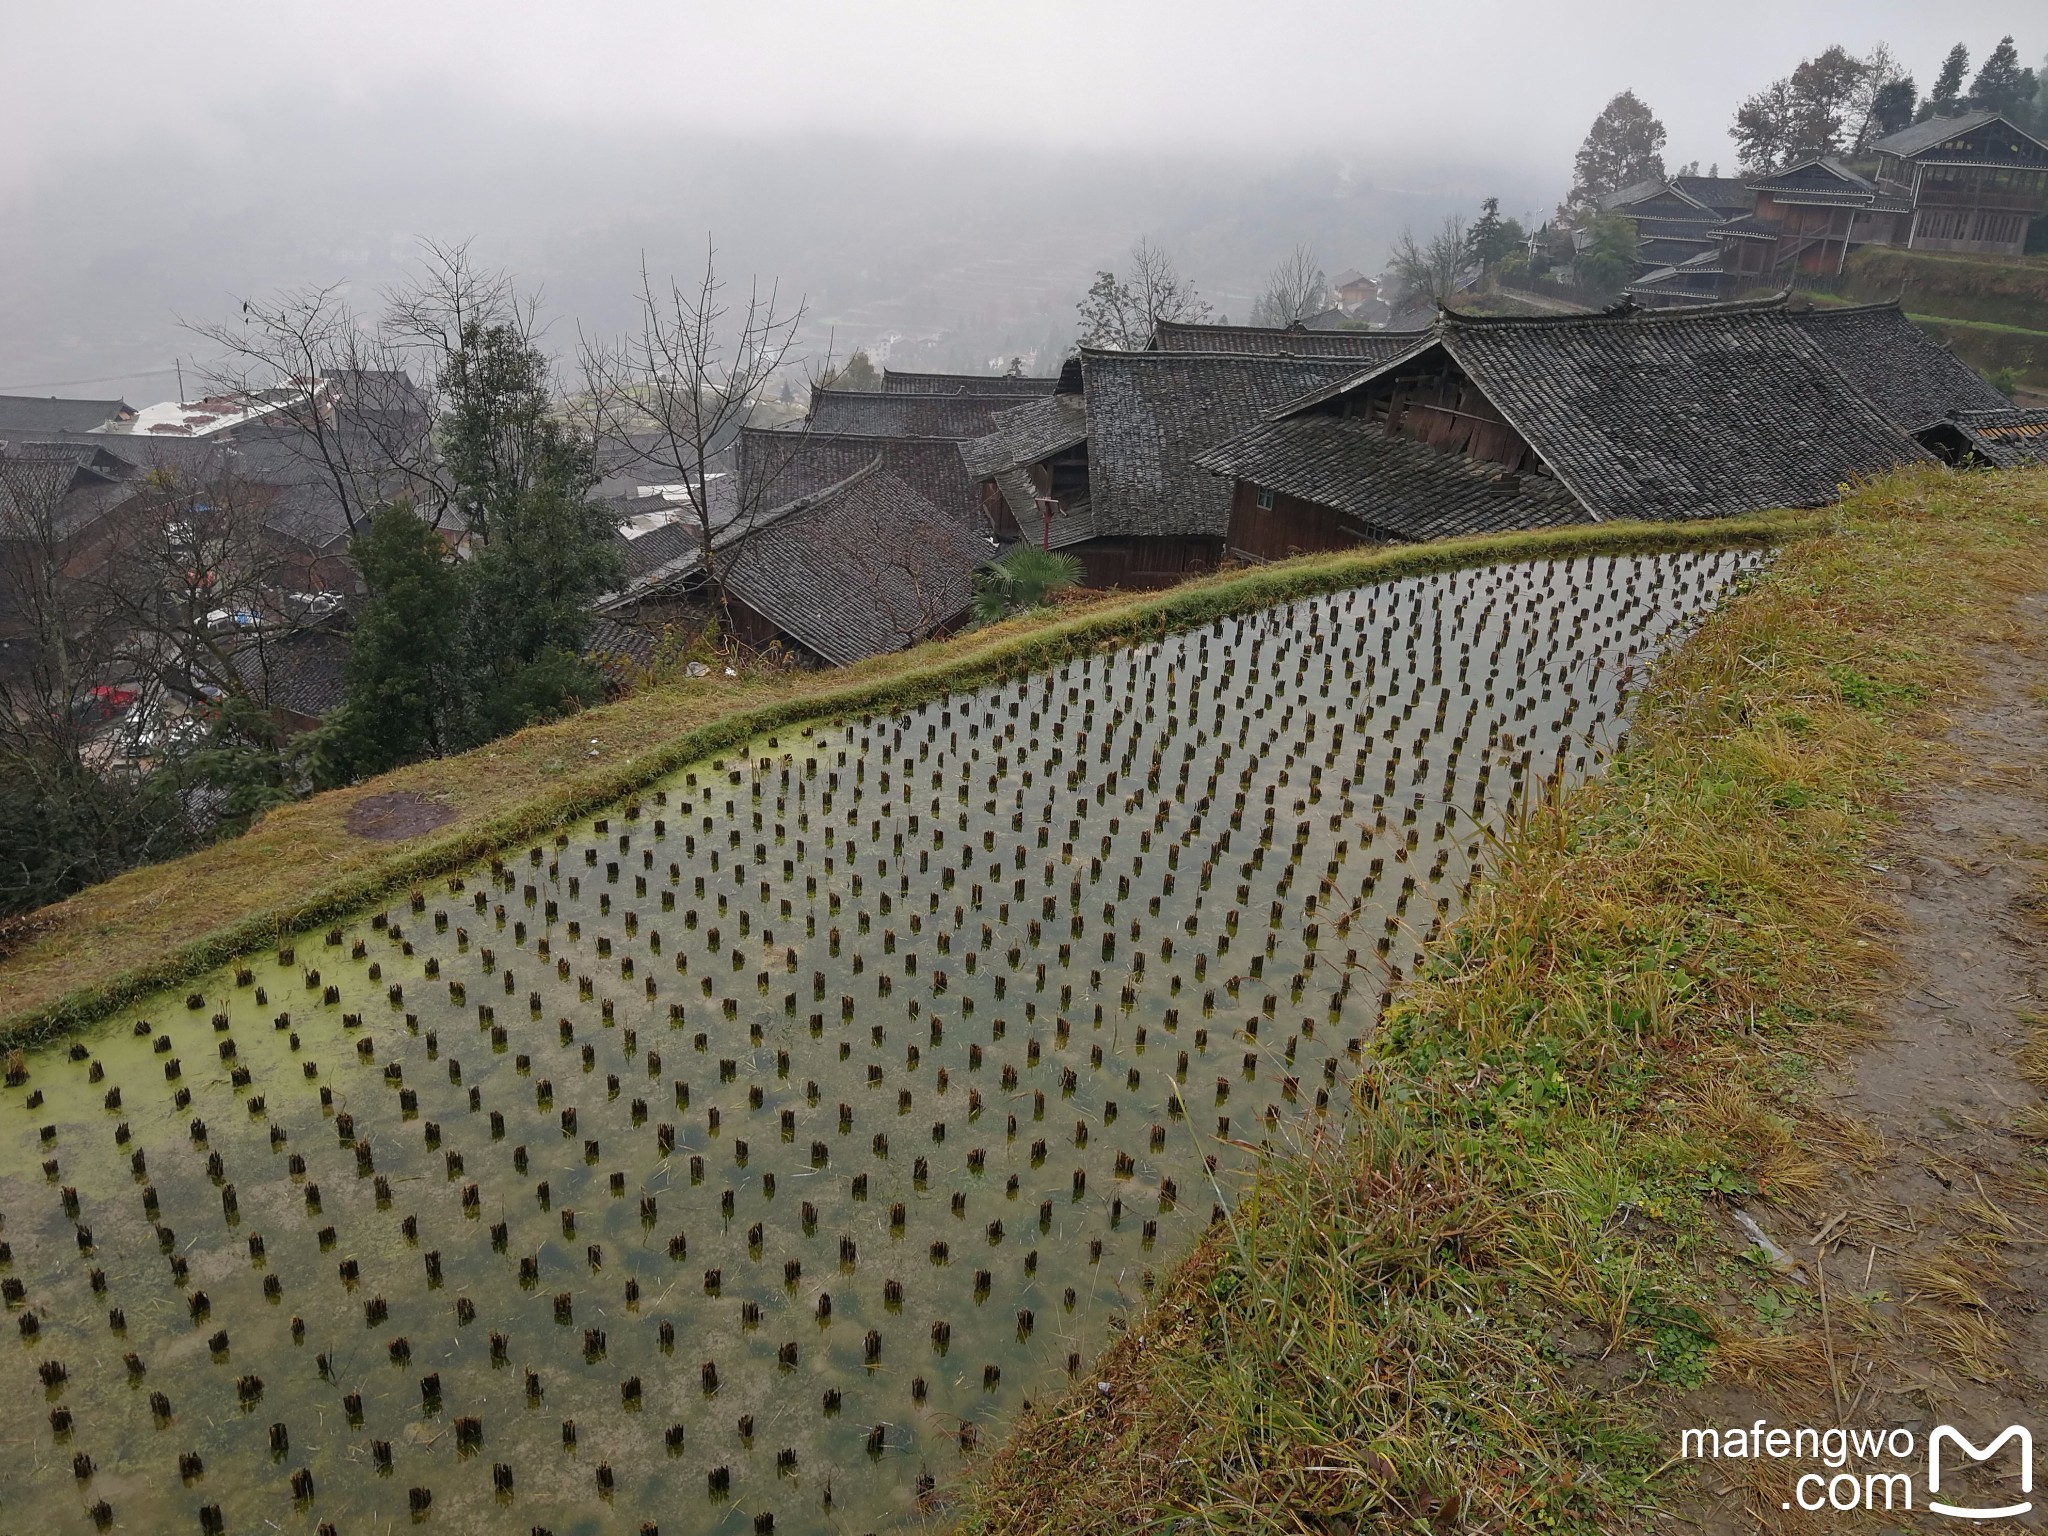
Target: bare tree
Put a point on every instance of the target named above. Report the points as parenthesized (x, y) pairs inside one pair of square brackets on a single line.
[(1882, 102), (1295, 290), (673, 396), (59, 642), (196, 578), (356, 400), (332, 392), (1121, 313), (67, 815), (916, 583), (1433, 270)]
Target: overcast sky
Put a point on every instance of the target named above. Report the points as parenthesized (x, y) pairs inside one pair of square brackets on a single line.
[(210, 107), (1523, 77)]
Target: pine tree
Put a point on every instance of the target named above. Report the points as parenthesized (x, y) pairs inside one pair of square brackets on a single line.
[(2001, 85), (1946, 97), (540, 549), (404, 701), (1492, 238)]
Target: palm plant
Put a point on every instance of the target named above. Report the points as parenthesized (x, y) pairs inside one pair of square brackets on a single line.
[(1024, 578)]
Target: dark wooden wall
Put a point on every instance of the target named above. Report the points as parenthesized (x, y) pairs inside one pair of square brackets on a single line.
[(1290, 526), (1445, 409), (1145, 562)]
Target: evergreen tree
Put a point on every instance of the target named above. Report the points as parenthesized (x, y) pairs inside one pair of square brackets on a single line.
[(500, 436), (540, 548), (526, 616), (1891, 107), (859, 373), (1609, 259), (404, 699), (1624, 146), (1492, 239), (1945, 100), (2001, 85)]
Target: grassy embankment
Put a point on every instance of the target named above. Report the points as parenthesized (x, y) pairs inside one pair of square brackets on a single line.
[(1992, 312), (1466, 1305), (301, 866)]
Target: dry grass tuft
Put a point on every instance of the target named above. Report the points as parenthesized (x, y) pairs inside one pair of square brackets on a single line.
[(2033, 1056), (1769, 1358)]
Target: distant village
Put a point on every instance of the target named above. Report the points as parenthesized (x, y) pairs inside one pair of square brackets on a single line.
[(873, 519)]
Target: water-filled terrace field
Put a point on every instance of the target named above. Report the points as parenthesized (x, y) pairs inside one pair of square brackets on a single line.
[(743, 1158)]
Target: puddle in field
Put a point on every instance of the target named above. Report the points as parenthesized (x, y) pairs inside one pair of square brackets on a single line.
[(744, 1158)]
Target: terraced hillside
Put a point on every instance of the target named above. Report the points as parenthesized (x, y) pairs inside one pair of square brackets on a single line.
[(1991, 313), (746, 1156)]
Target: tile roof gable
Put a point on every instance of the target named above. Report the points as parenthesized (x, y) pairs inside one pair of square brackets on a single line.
[(1910, 143), (860, 568), (1703, 411), (1150, 413)]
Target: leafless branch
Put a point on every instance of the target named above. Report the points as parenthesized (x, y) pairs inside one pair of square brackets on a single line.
[(674, 395)]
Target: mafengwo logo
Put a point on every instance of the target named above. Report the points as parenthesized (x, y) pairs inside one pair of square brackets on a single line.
[(1944, 1435), (1873, 1469)]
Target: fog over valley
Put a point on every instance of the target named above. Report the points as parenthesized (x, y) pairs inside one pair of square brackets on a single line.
[(941, 183)]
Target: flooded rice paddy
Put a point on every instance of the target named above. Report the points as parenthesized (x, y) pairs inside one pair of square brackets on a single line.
[(744, 1158)]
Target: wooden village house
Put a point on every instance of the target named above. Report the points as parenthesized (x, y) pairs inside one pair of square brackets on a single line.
[(1492, 424)]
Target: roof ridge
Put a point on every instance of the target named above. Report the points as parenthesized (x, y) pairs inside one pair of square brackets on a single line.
[(1627, 313), (1151, 355), (1849, 309)]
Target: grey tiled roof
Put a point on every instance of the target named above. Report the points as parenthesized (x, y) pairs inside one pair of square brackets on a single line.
[(1076, 525), (1629, 196), (1897, 366), (1821, 176), (777, 466), (617, 648), (49, 486), (1026, 434), (658, 547), (1019, 495), (303, 671), (895, 382), (870, 413), (1721, 193), (864, 567), (2009, 438), (30, 414), (1910, 141), (1150, 413), (1694, 230), (1395, 486), (1671, 414), (1278, 341), (1681, 414), (84, 456)]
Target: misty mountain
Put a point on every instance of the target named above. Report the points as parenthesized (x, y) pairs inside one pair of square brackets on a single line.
[(938, 255)]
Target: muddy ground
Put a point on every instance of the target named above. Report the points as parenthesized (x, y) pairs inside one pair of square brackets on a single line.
[(1923, 1254)]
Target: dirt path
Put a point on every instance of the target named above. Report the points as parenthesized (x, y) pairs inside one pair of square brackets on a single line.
[(1924, 1249)]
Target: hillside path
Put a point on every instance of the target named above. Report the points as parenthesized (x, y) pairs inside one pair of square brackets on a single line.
[(1927, 1243)]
